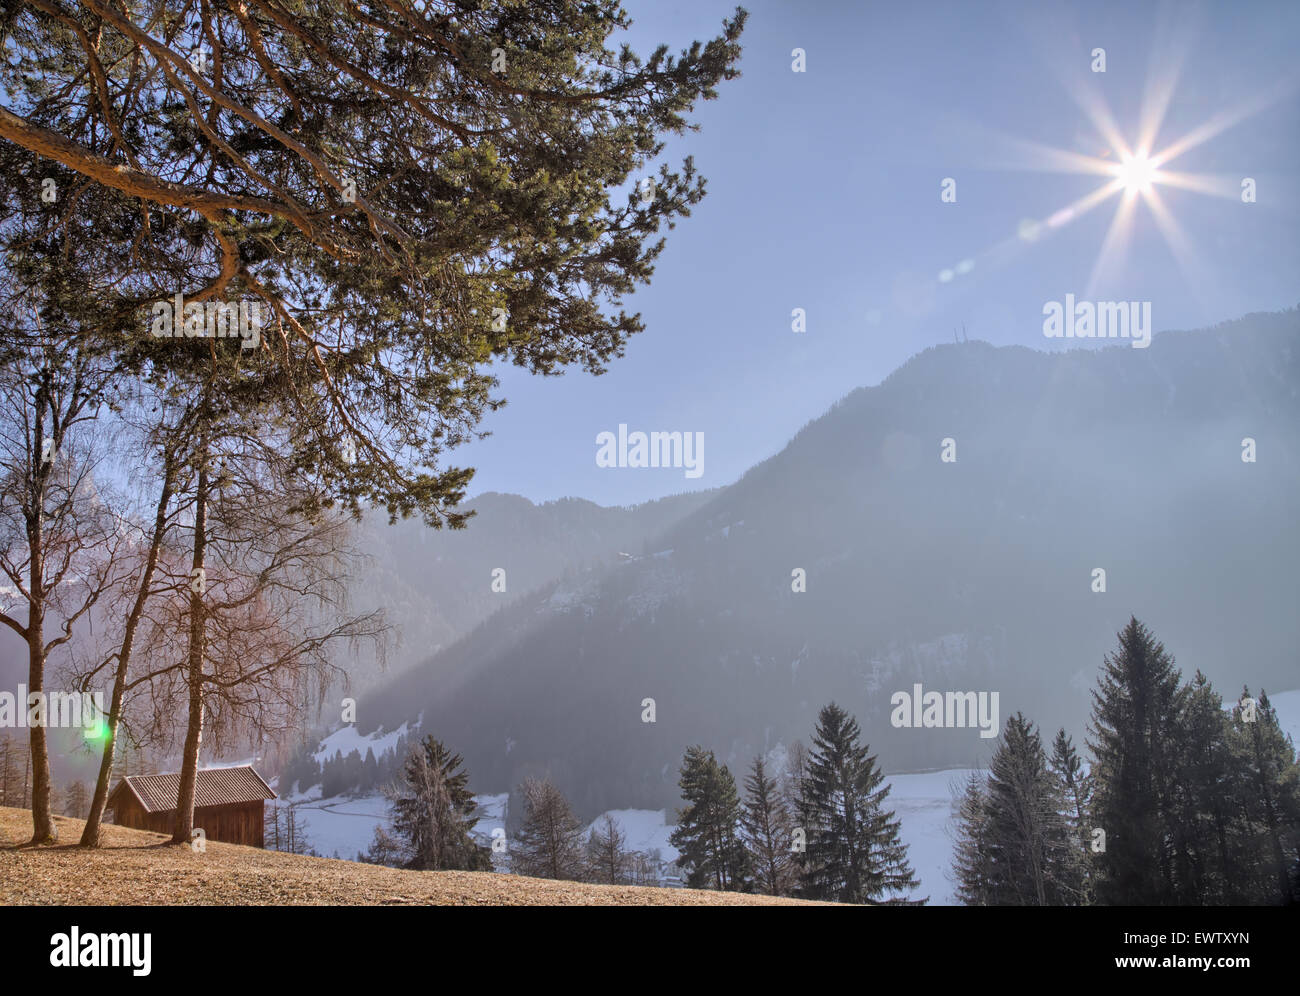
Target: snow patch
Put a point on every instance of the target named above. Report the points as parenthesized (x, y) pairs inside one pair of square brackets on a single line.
[(347, 740), (646, 830)]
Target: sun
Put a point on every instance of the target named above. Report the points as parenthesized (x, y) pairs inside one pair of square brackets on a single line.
[(1136, 173)]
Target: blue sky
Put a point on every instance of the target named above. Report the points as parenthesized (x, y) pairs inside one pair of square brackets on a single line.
[(824, 194)]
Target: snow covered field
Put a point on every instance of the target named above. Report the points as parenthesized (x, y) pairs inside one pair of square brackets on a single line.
[(923, 804)]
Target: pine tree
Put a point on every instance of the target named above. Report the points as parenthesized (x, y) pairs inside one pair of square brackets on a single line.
[(707, 828), (608, 860), (1134, 726), (432, 178), (549, 842), (432, 811), (854, 851), (767, 833)]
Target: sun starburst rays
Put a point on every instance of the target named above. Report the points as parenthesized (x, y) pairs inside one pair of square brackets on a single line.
[(1135, 172)]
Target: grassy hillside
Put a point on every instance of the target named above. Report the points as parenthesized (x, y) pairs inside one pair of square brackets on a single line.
[(142, 868)]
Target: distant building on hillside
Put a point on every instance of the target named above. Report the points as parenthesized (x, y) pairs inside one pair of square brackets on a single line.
[(671, 875), (229, 803)]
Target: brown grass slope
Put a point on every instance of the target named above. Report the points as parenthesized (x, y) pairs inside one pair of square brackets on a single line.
[(139, 868)]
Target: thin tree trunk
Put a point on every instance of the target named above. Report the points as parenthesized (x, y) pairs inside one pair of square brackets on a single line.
[(194, 732), (90, 836), (42, 822)]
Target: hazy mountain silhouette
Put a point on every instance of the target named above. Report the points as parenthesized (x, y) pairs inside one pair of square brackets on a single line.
[(973, 575)]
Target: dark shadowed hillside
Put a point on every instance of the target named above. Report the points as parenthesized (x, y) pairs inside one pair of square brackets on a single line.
[(436, 586)]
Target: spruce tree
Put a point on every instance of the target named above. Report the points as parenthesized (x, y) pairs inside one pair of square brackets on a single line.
[(1030, 846), (972, 862), (1075, 790), (767, 833), (707, 829), (432, 811), (1206, 794), (1134, 729), (854, 851), (1273, 802)]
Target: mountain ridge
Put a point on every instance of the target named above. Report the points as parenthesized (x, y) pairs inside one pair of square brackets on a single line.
[(973, 575)]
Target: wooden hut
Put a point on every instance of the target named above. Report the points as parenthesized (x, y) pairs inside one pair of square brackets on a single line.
[(229, 803)]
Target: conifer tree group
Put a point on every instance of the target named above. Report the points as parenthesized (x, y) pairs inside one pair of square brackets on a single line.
[(1185, 803), (819, 830)]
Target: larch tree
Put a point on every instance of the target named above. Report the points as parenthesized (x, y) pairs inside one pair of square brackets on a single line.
[(548, 843), (608, 860), (258, 609)]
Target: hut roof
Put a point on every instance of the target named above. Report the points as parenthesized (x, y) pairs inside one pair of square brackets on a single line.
[(214, 787)]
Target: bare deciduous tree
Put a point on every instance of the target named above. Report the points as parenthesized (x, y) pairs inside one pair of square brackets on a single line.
[(59, 545), (549, 842), (608, 860)]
